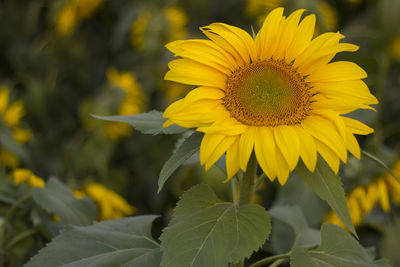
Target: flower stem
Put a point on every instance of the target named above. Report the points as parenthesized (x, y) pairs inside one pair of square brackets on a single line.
[(7, 218), (270, 259), (247, 186)]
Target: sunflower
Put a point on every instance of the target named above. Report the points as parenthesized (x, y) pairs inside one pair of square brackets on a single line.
[(277, 95)]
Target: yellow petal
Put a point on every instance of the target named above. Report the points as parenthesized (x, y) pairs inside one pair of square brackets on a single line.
[(265, 149), (208, 145), (325, 55), (246, 145), (372, 196), (14, 113), (329, 156), (222, 39), (282, 168), (301, 39), (325, 131), (288, 143), (383, 195), (203, 48), (201, 57), (245, 41), (232, 160), (357, 127), (4, 97), (289, 29), (203, 92), (308, 149), (339, 104), (337, 71), (333, 117), (191, 72), (352, 145), (311, 49), (226, 127), (355, 90), (220, 149), (268, 33)]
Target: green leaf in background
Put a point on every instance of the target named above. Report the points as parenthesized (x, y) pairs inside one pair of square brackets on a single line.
[(328, 187), (380, 163), (293, 216), (206, 231), (147, 123), (390, 242), (8, 142), (57, 198), (337, 248), (182, 153), (121, 242)]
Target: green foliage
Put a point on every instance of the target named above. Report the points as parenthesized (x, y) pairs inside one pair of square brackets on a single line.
[(182, 153), (304, 236), (8, 142), (337, 248), (57, 198), (206, 231), (147, 123), (328, 187), (121, 242)]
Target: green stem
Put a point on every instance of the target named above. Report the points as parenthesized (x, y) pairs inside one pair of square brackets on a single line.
[(234, 184), (7, 218), (14, 207), (277, 263), (21, 237), (260, 180), (270, 259), (247, 186)]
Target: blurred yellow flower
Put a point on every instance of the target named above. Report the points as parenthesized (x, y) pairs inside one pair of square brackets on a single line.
[(363, 199), (259, 8), (396, 48), (176, 20), (110, 204), (354, 2), (175, 90), (133, 101), (72, 13), (10, 115), (20, 176), (138, 29), (328, 15), (255, 7)]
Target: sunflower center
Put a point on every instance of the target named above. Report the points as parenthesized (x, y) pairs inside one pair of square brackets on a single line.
[(267, 93)]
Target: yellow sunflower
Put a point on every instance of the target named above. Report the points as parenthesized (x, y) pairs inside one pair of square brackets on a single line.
[(277, 95)]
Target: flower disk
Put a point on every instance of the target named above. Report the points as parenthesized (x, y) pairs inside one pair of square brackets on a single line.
[(267, 93), (277, 95)]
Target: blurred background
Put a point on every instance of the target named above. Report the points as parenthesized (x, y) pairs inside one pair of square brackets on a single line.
[(62, 60)]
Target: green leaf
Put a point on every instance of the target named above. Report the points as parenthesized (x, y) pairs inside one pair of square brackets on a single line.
[(328, 187), (379, 162), (8, 142), (57, 198), (121, 242), (147, 123), (293, 216), (337, 248), (205, 231), (182, 153)]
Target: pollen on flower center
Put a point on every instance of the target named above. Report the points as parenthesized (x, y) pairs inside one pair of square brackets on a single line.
[(267, 93)]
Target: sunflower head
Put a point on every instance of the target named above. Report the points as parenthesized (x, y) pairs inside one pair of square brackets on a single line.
[(277, 94)]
